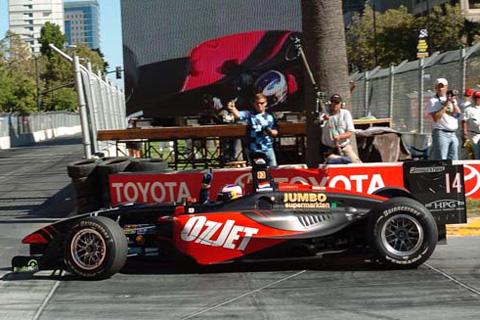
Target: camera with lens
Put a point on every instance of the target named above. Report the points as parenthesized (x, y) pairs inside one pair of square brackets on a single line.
[(452, 93)]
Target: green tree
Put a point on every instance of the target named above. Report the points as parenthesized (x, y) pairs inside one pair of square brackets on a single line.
[(360, 42), (17, 94), (17, 85), (106, 65), (446, 25), (95, 56), (397, 37), (397, 34), (51, 33), (61, 99), (18, 57)]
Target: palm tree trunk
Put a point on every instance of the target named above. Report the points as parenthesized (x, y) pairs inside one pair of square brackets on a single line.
[(324, 41)]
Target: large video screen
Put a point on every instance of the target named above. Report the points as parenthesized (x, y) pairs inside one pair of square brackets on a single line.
[(183, 57)]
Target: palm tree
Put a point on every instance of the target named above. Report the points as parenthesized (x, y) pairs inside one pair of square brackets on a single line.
[(324, 42)]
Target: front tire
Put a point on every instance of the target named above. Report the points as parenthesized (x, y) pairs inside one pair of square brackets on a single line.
[(95, 248), (402, 233)]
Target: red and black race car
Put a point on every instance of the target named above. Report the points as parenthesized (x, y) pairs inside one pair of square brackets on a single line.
[(397, 228)]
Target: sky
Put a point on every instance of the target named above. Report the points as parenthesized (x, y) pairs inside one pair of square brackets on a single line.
[(110, 32)]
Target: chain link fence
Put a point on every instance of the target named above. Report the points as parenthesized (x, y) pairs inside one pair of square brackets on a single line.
[(101, 104), (402, 92)]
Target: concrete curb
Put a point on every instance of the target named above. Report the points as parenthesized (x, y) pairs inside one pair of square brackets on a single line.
[(472, 228)]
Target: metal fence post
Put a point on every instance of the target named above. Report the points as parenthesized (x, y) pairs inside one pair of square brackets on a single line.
[(101, 104), (121, 107), (365, 101), (117, 106), (111, 110), (391, 76), (93, 107), (82, 107), (463, 68), (420, 93), (104, 101)]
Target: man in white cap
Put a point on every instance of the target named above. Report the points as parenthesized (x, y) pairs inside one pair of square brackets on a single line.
[(444, 110)]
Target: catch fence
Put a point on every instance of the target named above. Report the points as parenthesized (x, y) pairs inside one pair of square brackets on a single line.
[(402, 92)]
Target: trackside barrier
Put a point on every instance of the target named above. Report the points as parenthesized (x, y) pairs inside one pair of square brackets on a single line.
[(101, 105), (17, 129), (177, 186)]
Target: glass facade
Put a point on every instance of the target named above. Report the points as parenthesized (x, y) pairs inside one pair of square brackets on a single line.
[(82, 23)]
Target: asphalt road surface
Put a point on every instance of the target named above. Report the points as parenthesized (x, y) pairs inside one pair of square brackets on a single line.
[(35, 191)]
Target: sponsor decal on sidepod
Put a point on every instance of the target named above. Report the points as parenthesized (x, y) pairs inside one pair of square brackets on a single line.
[(217, 234)]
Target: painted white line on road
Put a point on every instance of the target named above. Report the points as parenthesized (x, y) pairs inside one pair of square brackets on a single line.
[(242, 296), (47, 299), (446, 275)]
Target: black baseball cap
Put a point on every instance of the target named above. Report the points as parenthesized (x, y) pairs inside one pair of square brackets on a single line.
[(336, 99)]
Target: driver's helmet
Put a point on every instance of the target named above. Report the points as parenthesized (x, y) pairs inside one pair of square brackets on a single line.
[(229, 192), (273, 85)]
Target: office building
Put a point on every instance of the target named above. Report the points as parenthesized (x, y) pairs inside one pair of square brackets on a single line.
[(27, 17), (82, 23)]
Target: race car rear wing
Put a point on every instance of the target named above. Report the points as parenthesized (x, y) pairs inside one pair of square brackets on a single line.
[(440, 186)]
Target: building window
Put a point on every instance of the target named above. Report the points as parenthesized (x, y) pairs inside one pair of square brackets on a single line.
[(28, 6)]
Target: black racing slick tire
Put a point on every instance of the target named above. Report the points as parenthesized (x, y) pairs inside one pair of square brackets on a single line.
[(82, 168), (402, 233), (110, 166), (143, 165), (95, 248)]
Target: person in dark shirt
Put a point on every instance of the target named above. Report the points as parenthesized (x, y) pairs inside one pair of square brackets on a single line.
[(261, 127)]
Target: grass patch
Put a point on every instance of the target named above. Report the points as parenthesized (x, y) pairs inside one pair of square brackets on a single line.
[(473, 208)]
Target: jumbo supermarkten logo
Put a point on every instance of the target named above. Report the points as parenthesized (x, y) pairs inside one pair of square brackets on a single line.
[(306, 200)]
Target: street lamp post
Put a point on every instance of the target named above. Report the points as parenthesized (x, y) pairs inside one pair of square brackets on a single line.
[(372, 4), (375, 33), (37, 79), (428, 26)]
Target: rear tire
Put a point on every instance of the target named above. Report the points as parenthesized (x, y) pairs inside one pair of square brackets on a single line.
[(95, 248), (402, 233)]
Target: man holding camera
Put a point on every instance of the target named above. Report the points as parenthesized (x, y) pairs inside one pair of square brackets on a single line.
[(261, 127), (444, 110), (337, 133)]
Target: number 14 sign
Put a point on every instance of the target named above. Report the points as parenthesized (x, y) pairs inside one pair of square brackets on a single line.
[(440, 186)]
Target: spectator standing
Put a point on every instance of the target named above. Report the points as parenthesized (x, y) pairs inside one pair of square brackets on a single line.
[(467, 100), (471, 124), (261, 127), (337, 132), (134, 147), (170, 148), (444, 110)]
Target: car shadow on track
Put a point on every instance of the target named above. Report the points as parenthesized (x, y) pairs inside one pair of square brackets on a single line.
[(356, 263), (136, 266)]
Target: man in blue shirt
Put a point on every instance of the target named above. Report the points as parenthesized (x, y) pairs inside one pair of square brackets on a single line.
[(261, 127)]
